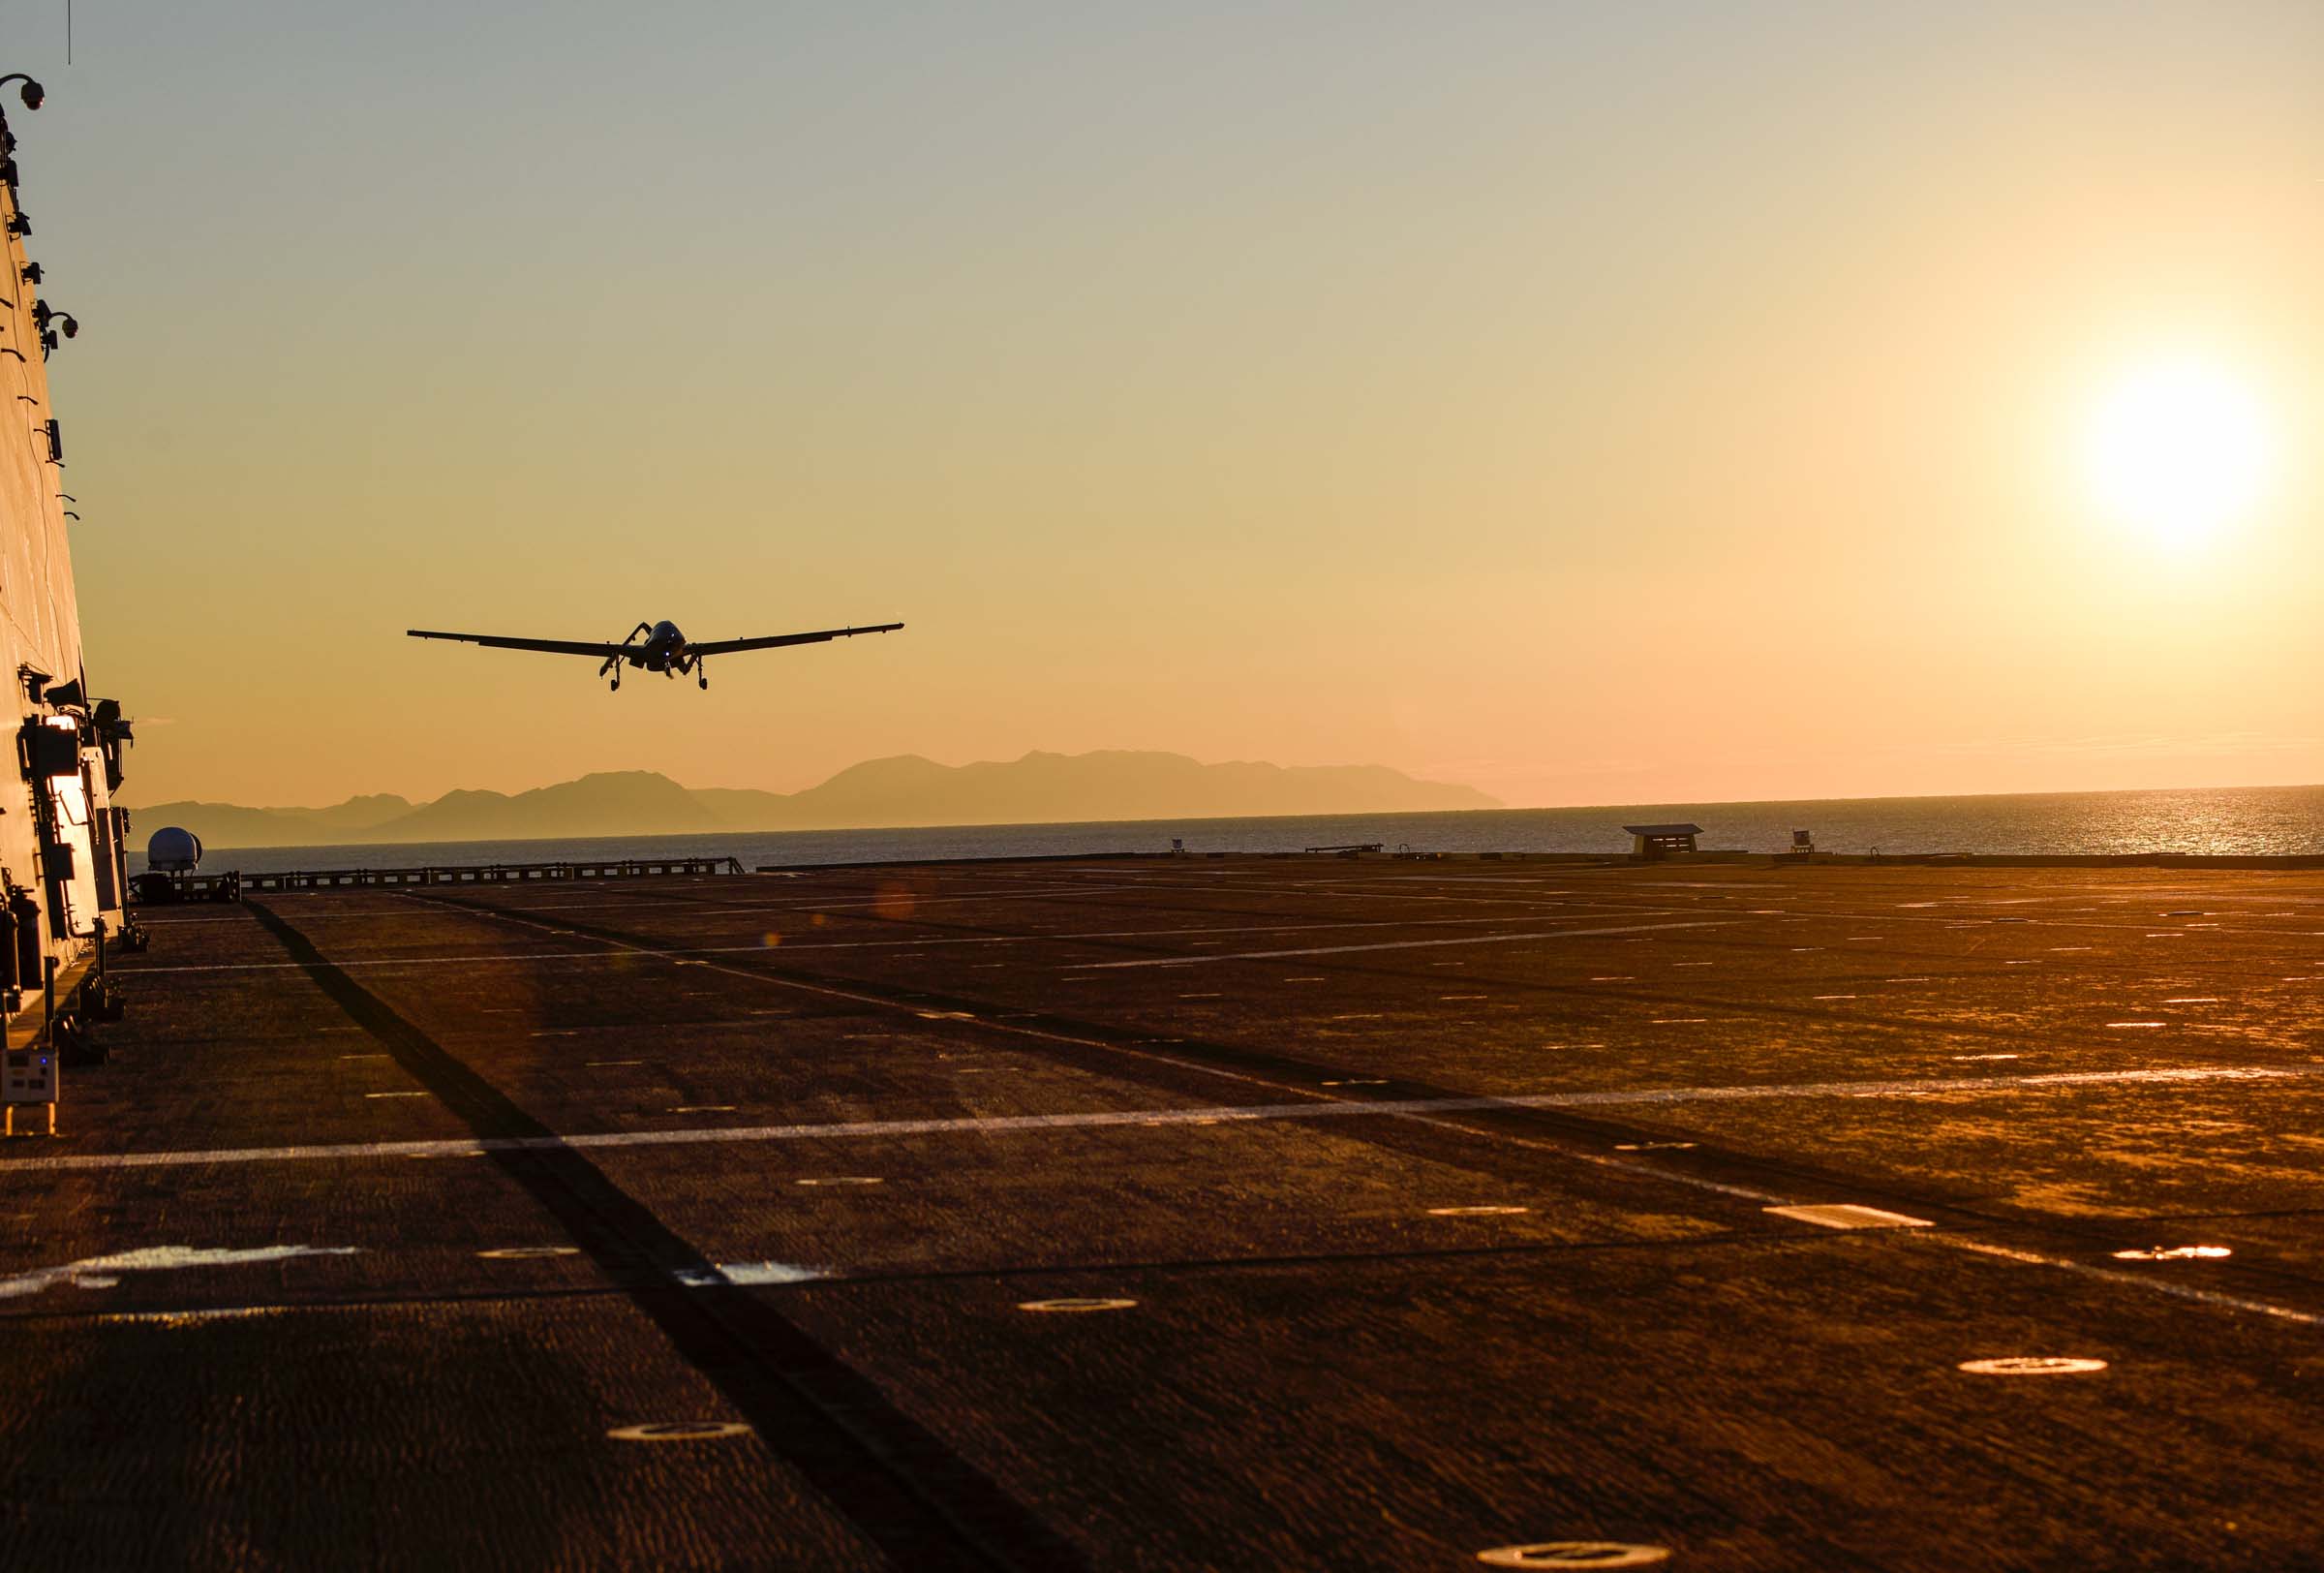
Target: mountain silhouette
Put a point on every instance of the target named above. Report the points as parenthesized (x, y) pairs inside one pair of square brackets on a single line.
[(880, 793)]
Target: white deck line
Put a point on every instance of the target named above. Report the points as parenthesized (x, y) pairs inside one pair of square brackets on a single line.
[(1099, 1119), (1397, 945), (603, 952), (2134, 1280)]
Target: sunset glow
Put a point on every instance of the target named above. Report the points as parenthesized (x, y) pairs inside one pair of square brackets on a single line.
[(1463, 410), (2181, 448)]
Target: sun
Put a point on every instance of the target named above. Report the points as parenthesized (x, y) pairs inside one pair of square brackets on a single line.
[(2180, 448)]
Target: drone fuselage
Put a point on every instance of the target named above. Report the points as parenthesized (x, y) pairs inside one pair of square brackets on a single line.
[(664, 650)]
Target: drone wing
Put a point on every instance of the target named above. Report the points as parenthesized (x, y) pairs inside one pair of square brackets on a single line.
[(558, 647), (727, 647)]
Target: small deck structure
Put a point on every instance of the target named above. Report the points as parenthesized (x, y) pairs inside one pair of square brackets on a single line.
[(1658, 840)]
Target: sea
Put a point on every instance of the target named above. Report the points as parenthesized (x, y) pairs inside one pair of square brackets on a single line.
[(2240, 820)]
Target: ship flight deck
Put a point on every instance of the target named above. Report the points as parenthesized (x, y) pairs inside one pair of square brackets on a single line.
[(1242, 1212)]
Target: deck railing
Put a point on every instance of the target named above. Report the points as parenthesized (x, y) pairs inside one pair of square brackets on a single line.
[(196, 887)]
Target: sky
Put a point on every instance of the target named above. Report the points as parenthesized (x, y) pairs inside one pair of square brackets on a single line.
[(1610, 404)]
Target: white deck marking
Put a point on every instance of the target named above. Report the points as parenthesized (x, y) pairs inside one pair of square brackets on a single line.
[(1849, 1215), (1595, 900), (781, 1273), (608, 952), (996, 1124), (399, 961), (1400, 944), (2154, 1286), (98, 1272), (750, 1272)]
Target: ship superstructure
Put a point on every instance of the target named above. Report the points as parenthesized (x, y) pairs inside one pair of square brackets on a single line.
[(62, 856)]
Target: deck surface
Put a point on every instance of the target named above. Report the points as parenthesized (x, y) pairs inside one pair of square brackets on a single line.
[(1447, 1205)]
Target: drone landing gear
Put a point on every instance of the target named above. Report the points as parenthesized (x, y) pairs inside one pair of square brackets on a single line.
[(613, 663)]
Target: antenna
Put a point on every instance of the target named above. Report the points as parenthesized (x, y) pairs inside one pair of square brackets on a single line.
[(67, 32)]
